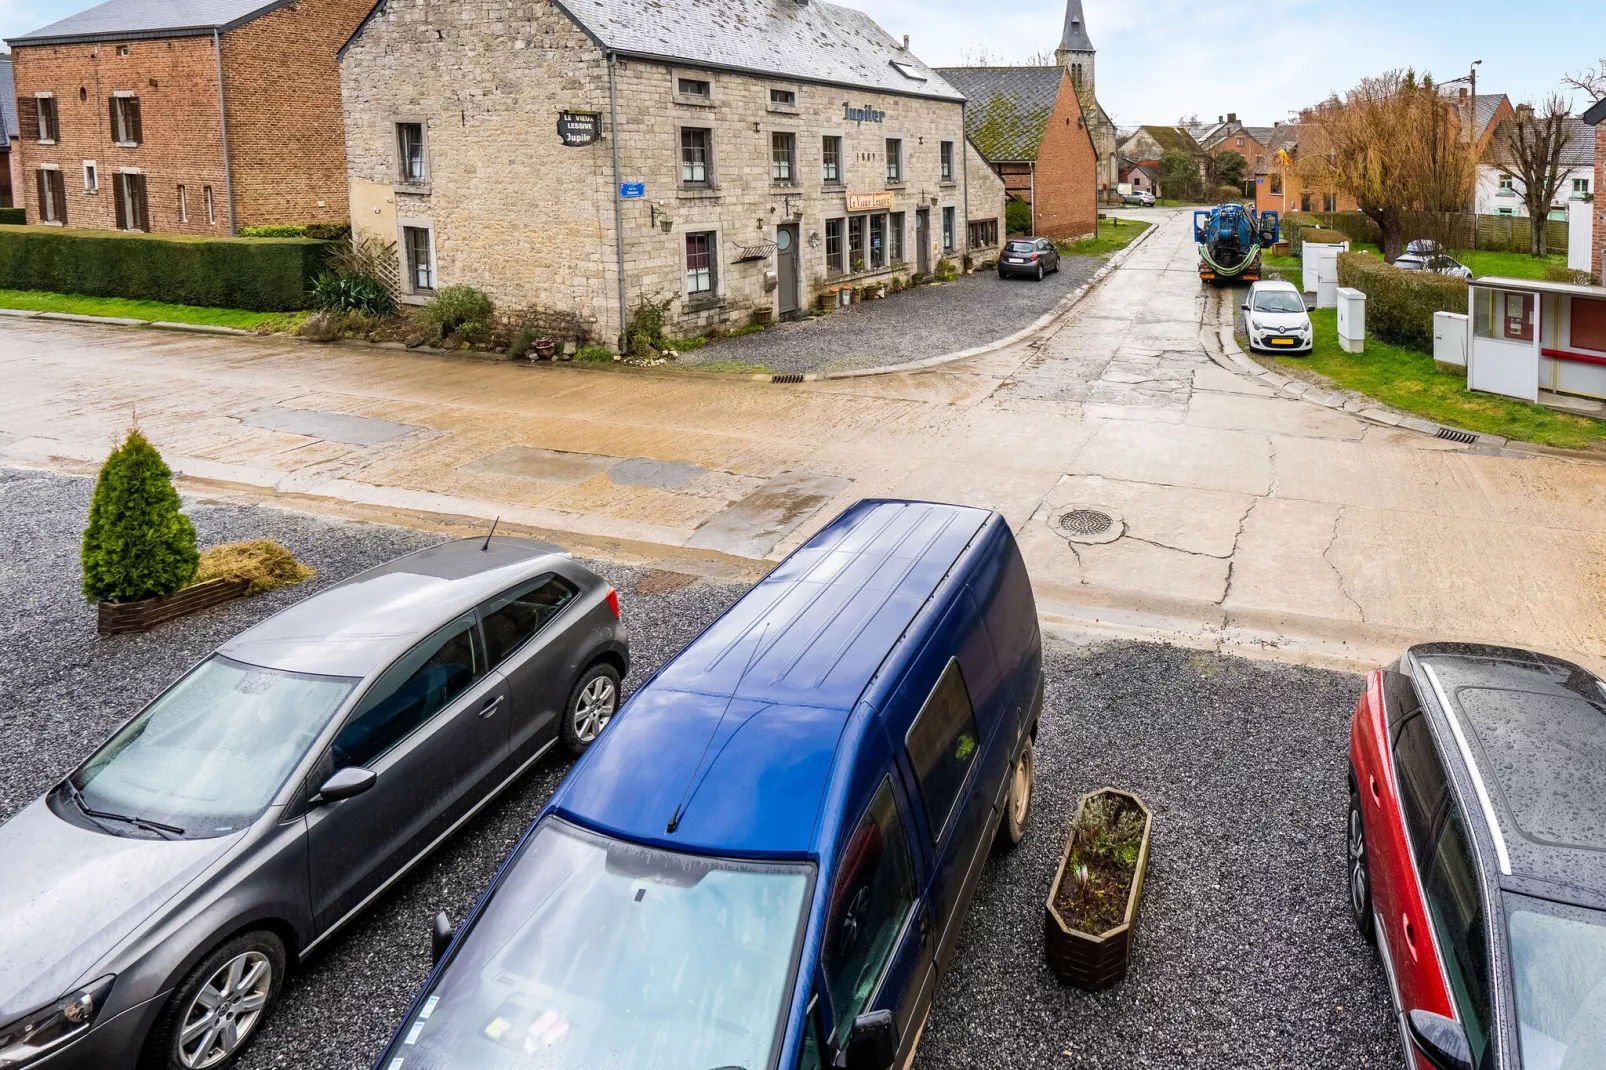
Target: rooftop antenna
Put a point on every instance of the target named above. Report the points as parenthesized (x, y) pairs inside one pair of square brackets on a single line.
[(488, 534), (680, 807)]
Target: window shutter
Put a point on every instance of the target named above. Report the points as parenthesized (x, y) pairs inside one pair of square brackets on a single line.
[(28, 118), (116, 119), (44, 196), (142, 212), (137, 132), (58, 182), (119, 189)]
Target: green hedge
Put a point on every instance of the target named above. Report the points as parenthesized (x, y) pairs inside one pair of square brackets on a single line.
[(259, 274), (13, 217), (1400, 304), (1318, 236), (1353, 225)]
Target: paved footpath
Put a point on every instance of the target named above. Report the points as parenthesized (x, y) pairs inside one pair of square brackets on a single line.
[(1246, 521)]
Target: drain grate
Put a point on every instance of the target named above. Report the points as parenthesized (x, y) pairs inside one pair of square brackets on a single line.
[(1453, 435), (1085, 522), (787, 377)]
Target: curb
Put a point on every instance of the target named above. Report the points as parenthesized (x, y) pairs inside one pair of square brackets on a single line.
[(122, 321)]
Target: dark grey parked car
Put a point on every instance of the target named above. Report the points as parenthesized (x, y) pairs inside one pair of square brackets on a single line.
[(151, 904), (1028, 256)]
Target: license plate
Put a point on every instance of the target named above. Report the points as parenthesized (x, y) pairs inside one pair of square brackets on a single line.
[(1012, 260), (1282, 341)]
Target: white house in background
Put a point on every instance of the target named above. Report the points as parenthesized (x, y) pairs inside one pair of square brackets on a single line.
[(1501, 194)]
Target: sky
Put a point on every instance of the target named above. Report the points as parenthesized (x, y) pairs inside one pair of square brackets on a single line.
[(1160, 60)]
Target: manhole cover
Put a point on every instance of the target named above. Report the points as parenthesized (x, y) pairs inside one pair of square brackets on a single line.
[(1085, 522)]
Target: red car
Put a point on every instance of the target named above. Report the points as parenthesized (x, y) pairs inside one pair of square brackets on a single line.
[(1477, 855)]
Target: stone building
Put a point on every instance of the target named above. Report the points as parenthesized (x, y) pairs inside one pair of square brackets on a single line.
[(594, 155), (184, 117)]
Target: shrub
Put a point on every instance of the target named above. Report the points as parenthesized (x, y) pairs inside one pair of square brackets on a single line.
[(521, 343), (344, 292), (1317, 236), (946, 270), (329, 231), (1017, 216), (368, 256), (458, 313), (272, 232), (686, 345), (1556, 273), (259, 274), (261, 564), (1400, 304), (594, 354), (1355, 225), (13, 217), (137, 545), (323, 327), (646, 326)]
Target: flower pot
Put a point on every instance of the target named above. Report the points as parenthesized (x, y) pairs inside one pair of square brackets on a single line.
[(122, 618), (1089, 960), (545, 348)]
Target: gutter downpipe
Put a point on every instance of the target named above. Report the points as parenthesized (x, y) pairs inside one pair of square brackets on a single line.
[(618, 203), (964, 167), (223, 124), (1033, 189)]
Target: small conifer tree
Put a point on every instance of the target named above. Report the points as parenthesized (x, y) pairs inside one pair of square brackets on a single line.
[(137, 545)]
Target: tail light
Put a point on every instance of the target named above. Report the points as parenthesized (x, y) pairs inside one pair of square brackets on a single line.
[(613, 602)]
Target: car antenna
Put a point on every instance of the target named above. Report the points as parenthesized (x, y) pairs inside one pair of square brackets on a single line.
[(488, 534), (680, 807)]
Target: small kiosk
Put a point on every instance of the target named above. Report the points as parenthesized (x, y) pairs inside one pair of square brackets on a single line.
[(1525, 336)]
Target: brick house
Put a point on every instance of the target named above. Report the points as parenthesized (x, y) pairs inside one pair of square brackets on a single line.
[(1148, 144), (1280, 188), (184, 117), (582, 157), (1596, 117), (1027, 123), (10, 178)]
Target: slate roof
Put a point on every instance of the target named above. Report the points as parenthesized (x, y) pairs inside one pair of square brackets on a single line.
[(1578, 148), (1171, 138), (124, 20), (1261, 134), (815, 42), (1485, 106), (1075, 38), (8, 104), (1596, 114), (1009, 108)]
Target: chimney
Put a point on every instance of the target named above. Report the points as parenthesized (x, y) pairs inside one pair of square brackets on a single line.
[(1221, 118), (1232, 116), (906, 42), (1463, 92), (1525, 112)]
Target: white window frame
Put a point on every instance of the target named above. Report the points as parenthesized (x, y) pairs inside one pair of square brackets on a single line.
[(91, 177), (414, 292)]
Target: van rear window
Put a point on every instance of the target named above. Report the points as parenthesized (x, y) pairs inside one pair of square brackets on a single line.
[(942, 744)]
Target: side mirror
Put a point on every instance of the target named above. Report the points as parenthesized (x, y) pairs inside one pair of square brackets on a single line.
[(1440, 1040), (1245, 306), (873, 1043), (440, 936), (344, 784)]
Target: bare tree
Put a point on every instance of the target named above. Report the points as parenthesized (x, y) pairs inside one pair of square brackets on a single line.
[(1590, 82), (1041, 58), (1527, 149), (974, 55)]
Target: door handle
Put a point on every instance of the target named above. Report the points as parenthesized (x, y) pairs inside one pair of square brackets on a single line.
[(1377, 792), (491, 706), (1410, 935)]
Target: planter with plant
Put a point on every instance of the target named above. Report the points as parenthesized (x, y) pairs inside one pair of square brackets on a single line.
[(458, 315), (1092, 908)]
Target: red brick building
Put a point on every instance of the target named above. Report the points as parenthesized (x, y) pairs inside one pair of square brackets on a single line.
[(184, 117), (1596, 117)]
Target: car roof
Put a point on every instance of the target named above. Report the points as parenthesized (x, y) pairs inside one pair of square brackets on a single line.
[(740, 734), (356, 627), (1535, 727), (1274, 284)]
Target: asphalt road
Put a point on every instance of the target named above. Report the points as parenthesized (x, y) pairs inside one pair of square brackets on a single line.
[(1245, 956)]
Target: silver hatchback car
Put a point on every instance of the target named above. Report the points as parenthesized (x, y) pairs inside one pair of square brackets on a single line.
[(155, 899)]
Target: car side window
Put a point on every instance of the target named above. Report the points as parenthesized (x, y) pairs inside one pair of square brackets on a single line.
[(1421, 783), (419, 685), (513, 617), (1456, 908), (1399, 698), (869, 905), (942, 745)]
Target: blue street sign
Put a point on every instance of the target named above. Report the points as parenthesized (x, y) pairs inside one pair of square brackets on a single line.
[(632, 190)]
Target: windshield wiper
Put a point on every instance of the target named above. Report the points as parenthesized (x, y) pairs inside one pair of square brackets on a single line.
[(167, 832)]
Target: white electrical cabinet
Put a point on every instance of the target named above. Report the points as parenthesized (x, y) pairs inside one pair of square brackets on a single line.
[(1450, 338), (1351, 320), (1327, 276)]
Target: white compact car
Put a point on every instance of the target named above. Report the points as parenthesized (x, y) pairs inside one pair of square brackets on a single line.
[(1275, 317)]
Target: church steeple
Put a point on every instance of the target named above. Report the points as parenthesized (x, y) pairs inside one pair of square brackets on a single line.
[(1075, 53), (1075, 38)]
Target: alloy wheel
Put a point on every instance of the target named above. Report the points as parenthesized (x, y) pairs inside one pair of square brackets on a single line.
[(1020, 792), (225, 1010), (1357, 863), (595, 708)]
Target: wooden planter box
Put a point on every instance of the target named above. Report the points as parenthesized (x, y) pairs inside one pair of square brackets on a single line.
[(121, 618), (1095, 962)]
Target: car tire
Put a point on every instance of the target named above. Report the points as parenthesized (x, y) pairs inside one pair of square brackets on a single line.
[(1018, 799), (242, 978), (1358, 870), (1039, 272), (592, 703)]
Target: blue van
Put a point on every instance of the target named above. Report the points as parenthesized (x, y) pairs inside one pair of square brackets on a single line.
[(766, 860)]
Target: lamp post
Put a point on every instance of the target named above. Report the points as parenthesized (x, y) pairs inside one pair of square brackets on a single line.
[(1472, 140)]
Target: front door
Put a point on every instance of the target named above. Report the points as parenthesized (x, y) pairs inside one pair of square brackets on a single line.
[(786, 267), (923, 241)]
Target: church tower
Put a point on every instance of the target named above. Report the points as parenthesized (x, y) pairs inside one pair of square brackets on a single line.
[(1075, 53)]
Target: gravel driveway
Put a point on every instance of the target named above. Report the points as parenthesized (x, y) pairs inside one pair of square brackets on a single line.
[(1245, 955), (928, 321)]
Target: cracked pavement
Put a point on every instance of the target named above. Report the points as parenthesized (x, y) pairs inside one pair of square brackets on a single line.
[(1252, 521)]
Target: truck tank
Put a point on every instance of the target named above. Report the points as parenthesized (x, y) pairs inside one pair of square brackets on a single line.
[(1230, 239)]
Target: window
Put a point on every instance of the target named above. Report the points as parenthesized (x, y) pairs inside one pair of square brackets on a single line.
[(1588, 327), (91, 177), (1276, 182), (835, 264), (52, 196), (856, 243), (831, 160), (1558, 964), (1507, 186), (700, 264), (894, 160), (948, 237), (909, 71), (694, 87), (783, 98), (783, 157), (1239, 142), (49, 128), (1421, 782), (1455, 907), (183, 206), (1517, 318), (410, 146), (211, 211), (1580, 187), (420, 258), (942, 745), (422, 683), (694, 157), (878, 241), (867, 909), (1304, 202), (133, 210), (895, 238), (947, 161), (122, 50), (126, 127), (983, 233), (1329, 202), (513, 618)]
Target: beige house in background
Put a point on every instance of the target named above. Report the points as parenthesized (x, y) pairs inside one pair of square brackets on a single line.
[(753, 169)]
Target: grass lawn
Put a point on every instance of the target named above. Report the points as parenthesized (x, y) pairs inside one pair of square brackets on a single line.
[(40, 301), (1408, 380), (1114, 235), (1511, 265)]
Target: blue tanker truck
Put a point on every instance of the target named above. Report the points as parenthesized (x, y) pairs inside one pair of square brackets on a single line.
[(1230, 239)]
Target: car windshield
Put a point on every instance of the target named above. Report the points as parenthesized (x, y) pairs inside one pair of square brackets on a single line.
[(1558, 965), (1279, 301), (1021, 247), (593, 953), (207, 757)]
